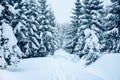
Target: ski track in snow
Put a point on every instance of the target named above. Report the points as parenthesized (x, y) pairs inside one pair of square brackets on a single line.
[(59, 71)]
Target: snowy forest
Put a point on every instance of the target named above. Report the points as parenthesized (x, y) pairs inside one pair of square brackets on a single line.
[(31, 39)]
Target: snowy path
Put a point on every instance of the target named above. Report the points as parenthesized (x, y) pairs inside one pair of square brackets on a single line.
[(48, 68), (59, 71)]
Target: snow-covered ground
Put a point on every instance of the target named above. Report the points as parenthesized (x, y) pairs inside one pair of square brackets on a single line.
[(107, 67), (63, 66)]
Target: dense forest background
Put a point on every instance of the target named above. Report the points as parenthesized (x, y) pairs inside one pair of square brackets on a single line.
[(28, 29)]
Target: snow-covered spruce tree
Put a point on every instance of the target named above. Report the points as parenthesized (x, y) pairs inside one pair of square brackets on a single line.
[(110, 41), (25, 27), (55, 33), (9, 51), (19, 24), (112, 34), (76, 23), (46, 30), (51, 18), (92, 24), (31, 14)]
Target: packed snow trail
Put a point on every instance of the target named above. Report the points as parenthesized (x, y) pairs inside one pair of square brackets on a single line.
[(48, 68), (59, 71)]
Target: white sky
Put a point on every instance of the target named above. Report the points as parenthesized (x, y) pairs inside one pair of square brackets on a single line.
[(63, 8)]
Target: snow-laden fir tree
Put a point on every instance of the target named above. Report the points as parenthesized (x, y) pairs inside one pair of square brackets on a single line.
[(112, 33), (52, 22), (22, 24), (92, 23), (31, 14), (76, 23), (93, 11), (26, 28), (9, 51), (110, 42), (19, 25), (46, 30), (87, 29), (35, 28)]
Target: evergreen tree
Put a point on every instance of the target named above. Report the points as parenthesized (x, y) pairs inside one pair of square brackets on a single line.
[(25, 27), (76, 23), (9, 51), (110, 41), (7, 14), (19, 25), (46, 30), (87, 30), (51, 18), (92, 23), (35, 28), (31, 24), (115, 10), (114, 30), (93, 10)]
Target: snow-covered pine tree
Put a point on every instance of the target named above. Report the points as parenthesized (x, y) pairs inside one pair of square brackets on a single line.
[(112, 34), (51, 18), (46, 30), (93, 10), (76, 23), (110, 42), (54, 31), (19, 24), (91, 22), (31, 14), (9, 51), (25, 27)]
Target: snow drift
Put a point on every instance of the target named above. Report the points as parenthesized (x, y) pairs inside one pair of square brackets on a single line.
[(107, 67)]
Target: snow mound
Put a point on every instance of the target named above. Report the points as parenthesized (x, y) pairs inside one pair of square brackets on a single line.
[(6, 75), (107, 67)]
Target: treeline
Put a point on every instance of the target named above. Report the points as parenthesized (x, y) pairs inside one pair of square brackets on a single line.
[(93, 32)]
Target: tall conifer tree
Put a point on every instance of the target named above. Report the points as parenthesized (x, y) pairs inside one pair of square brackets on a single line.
[(75, 25)]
